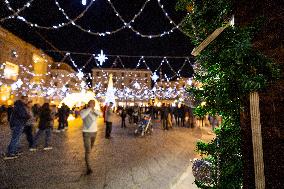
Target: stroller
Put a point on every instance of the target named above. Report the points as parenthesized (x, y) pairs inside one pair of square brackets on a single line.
[(144, 126)]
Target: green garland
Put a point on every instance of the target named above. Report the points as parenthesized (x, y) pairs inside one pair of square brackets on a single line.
[(229, 70)]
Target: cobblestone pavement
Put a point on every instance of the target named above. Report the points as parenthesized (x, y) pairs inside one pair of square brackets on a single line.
[(125, 161)]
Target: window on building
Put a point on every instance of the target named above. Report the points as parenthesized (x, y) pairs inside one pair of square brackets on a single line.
[(146, 75), (138, 75), (40, 67), (98, 74), (122, 74), (11, 71)]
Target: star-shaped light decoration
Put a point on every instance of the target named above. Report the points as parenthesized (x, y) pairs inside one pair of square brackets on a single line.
[(101, 58), (155, 77), (84, 2), (80, 75), (19, 83)]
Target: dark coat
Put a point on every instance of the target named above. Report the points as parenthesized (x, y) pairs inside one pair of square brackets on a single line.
[(164, 112), (45, 119), (19, 115)]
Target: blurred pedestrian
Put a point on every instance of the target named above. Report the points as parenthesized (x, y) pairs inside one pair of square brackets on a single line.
[(18, 120), (123, 117), (109, 116), (89, 116), (45, 126), (28, 129), (164, 117), (62, 118)]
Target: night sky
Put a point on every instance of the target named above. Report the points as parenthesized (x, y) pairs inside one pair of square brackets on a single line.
[(100, 17)]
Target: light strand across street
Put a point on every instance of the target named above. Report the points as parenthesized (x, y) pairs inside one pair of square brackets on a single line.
[(125, 24), (15, 13), (57, 26)]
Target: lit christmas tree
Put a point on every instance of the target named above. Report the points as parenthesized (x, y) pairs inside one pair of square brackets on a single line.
[(110, 91)]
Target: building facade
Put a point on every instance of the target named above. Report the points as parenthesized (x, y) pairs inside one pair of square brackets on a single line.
[(21, 65), (62, 79), (129, 84), (121, 78)]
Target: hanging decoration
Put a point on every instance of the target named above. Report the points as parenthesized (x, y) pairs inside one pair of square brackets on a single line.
[(16, 15), (101, 58), (84, 2), (155, 77)]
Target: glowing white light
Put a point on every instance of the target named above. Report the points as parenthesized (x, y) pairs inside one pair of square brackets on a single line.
[(84, 2), (64, 89), (232, 21), (137, 85), (189, 81), (14, 86), (101, 58), (19, 83), (50, 91), (80, 74), (155, 77)]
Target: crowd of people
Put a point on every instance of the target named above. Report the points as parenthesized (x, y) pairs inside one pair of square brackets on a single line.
[(36, 121), (180, 116)]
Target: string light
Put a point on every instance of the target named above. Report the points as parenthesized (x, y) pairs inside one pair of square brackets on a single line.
[(28, 4), (63, 24), (139, 33), (124, 26)]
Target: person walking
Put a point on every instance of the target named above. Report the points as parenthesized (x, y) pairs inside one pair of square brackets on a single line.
[(45, 124), (135, 114), (67, 113), (175, 113), (89, 116), (164, 117), (181, 115), (18, 119), (123, 117), (28, 129), (109, 115), (61, 118)]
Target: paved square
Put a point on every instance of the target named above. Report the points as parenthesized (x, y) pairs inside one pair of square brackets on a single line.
[(125, 161)]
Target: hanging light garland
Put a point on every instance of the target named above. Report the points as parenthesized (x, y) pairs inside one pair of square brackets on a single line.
[(139, 33), (28, 4), (63, 24), (140, 92), (73, 21)]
